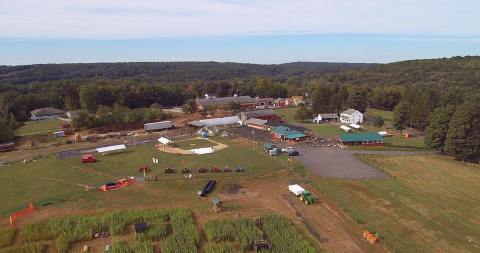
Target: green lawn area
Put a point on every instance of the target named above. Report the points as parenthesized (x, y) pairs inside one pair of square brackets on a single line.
[(39, 127), (195, 143), (288, 113), (386, 115), (52, 179), (431, 204), (325, 130)]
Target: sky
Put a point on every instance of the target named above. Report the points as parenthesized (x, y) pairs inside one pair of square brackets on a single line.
[(266, 31)]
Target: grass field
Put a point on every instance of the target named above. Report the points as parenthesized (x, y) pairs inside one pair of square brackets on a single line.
[(39, 127), (195, 143), (55, 180), (431, 204), (386, 115)]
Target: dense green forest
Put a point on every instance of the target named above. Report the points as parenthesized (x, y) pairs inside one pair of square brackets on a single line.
[(412, 89)]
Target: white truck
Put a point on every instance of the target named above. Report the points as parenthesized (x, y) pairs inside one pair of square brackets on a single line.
[(158, 125), (296, 189)]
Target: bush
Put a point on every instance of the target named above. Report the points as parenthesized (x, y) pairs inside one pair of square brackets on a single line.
[(6, 237)]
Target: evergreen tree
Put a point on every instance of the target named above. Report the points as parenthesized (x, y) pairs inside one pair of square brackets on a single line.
[(303, 114), (401, 115), (321, 99), (436, 131), (6, 131), (357, 99), (463, 135)]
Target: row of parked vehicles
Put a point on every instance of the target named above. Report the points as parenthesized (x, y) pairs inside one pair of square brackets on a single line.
[(273, 150)]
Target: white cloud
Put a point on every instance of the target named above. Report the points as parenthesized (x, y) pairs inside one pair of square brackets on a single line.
[(98, 19)]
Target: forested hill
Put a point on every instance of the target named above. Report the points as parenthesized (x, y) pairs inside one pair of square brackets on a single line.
[(455, 71), (168, 72)]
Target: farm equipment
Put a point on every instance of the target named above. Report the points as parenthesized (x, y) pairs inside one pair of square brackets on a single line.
[(169, 170), (217, 205), (202, 170), (209, 187), (305, 196), (185, 170), (144, 169), (124, 182), (88, 159), (261, 245), (215, 170), (371, 237), (270, 149), (227, 169), (239, 169)]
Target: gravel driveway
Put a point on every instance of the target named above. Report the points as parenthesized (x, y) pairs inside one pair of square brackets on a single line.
[(337, 163)]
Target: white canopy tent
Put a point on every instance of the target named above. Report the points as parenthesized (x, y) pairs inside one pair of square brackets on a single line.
[(353, 125), (345, 128), (113, 148), (164, 140)]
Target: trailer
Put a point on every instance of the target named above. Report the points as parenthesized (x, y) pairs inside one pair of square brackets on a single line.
[(305, 196), (296, 189), (162, 125), (209, 187)]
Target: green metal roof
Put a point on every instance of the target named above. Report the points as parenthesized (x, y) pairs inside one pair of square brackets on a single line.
[(356, 137), (287, 132)]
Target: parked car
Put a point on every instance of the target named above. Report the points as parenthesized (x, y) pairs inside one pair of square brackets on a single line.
[(293, 152), (287, 149)]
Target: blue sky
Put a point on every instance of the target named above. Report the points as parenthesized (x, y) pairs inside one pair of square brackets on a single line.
[(57, 31)]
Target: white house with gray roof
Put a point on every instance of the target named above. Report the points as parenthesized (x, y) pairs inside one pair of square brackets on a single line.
[(351, 116)]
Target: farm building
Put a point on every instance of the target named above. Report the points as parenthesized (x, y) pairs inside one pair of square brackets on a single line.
[(257, 123), (46, 113), (264, 102), (4, 147), (325, 117), (351, 116), (267, 114), (225, 121), (295, 101), (245, 102), (280, 102), (365, 139), (162, 125), (286, 134)]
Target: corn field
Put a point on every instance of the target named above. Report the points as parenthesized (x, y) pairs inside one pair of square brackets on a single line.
[(283, 236), (25, 248), (242, 231), (220, 247), (65, 231), (6, 237)]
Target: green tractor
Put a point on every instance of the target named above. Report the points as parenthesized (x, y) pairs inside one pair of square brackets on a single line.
[(307, 198)]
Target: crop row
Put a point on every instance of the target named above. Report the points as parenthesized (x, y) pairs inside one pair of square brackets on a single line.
[(242, 231)]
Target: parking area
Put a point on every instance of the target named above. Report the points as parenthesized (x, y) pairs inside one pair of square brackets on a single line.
[(337, 163)]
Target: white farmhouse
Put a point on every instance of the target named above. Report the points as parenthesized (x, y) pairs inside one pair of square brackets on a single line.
[(351, 116)]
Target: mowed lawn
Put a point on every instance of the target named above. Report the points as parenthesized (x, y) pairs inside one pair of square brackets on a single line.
[(387, 116), (53, 179), (431, 204), (39, 127)]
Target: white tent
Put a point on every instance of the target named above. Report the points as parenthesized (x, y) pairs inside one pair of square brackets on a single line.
[(111, 148), (355, 126), (345, 128), (164, 140), (383, 133)]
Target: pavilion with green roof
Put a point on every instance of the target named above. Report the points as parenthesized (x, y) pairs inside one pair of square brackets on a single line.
[(286, 134), (364, 138)]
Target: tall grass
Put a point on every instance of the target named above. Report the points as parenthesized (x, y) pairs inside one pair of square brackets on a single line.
[(65, 231), (219, 247), (6, 237), (25, 248), (283, 236), (242, 231)]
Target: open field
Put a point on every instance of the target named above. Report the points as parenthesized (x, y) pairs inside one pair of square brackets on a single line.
[(386, 115), (60, 185), (431, 204), (39, 127)]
